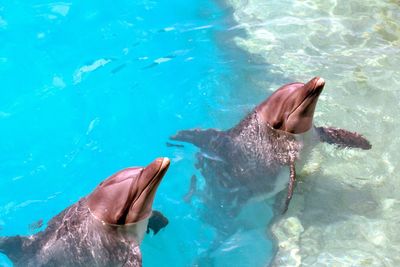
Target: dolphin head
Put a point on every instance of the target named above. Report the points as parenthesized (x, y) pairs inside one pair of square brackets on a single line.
[(291, 107), (127, 196)]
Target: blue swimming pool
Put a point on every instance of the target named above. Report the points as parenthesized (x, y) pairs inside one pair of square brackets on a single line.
[(91, 88)]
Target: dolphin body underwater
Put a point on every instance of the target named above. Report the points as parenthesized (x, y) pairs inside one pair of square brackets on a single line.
[(251, 159), (104, 228)]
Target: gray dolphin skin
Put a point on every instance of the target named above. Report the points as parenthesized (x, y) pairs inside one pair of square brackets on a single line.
[(104, 228), (247, 160)]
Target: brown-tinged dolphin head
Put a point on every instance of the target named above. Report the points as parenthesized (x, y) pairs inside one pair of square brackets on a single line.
[(127, 196), (291, 107)]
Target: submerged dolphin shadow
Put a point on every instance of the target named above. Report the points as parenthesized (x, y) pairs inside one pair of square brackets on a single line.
[(104, 228), (328, 201)]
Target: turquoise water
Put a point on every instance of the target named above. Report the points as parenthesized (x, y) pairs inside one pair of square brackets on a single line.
[(88, 89), (346, 208)]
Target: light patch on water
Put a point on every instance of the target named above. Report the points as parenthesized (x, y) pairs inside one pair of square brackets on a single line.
[(58, 82), (40, 35), (4, 114), (13, 206), (168, 29), (345, 210), (312, 165), (125, 51), (52, 17), (53, 11), (162, 60), (204, 27), (27, 203), (61, 9), (39, 169), (16, 178), (3, 23), (293, 228), (177, 157), (179, 116), (89, 68), (92, 125), (53, 195)]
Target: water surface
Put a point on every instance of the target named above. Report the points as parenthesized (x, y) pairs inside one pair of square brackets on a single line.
[(88, 89), (346, 208)]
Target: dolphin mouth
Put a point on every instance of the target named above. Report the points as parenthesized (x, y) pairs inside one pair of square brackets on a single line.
[(156, 178), (164, 165), (162, 169), (140, 206), (319, 82), (313, 89), (299, 120), (127, 196)]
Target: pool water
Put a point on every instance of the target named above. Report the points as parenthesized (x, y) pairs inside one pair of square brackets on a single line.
[(346, 206), (88, 89)]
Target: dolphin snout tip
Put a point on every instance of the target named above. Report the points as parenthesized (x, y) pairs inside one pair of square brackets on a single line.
[(164, 162), (319, 81)]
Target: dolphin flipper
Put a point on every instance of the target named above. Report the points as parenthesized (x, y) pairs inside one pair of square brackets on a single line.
[(292, 182), (157, 222), (342, 138), (192, 189), (12, 246), (198, 137)]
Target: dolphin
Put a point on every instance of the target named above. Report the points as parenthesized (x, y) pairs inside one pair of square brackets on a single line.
[(258, 156), (104, 228)]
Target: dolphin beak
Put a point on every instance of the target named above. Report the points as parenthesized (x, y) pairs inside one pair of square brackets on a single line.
[(152, 175), (146, 187), (165, 164), (155, 171), (162, 164), (300, 119), (315, 85), (319, 82)]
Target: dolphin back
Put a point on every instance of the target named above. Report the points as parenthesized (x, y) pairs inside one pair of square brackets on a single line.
[(342, 138)]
